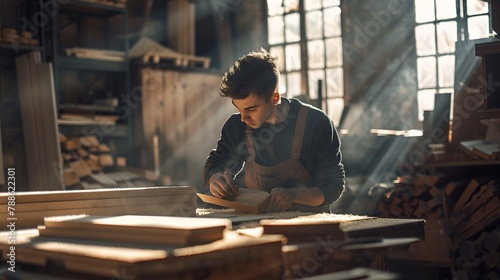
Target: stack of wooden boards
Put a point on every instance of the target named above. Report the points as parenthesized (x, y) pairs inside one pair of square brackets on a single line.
[(460, 214), (149, 247), (32, 207), (481, 149), (323, 243)]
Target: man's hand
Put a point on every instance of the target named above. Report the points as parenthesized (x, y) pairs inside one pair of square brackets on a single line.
[(284, 198), (222, 185), (281, 200)]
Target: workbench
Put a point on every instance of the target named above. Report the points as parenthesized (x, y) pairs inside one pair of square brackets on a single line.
[(245, 252)]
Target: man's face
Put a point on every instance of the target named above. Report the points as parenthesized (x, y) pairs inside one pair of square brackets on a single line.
[(255, 111)]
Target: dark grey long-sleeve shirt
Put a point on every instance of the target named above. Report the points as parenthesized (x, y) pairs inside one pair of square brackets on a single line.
[(321, 155)]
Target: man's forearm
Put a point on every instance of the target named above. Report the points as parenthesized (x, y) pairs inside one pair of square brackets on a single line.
[(307, 196)]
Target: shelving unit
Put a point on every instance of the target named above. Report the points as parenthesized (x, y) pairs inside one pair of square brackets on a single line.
[(80, 81)]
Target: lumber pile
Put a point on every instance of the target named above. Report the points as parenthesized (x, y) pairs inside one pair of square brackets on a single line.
[(89, 164), (32, 207), (418, 196), (219, 254), (479, 256), (11, 36), (462, 213)]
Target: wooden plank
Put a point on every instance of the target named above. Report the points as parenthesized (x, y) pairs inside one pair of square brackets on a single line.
[(159, 230), (102, 202), (247, 201), (309, 228), (474, 220), (33, 219), (473, 185), (31, 136), (48, 116), (148, 262), (47, 196), (384, 228), (480, 225), (477, 201)]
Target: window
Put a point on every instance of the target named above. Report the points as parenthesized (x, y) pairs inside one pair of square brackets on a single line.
[(439, 24), (314, 30)]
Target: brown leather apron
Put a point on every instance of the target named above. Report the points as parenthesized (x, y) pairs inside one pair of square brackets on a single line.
[(289, 173)]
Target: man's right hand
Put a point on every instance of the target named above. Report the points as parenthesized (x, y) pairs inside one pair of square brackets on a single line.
[(222, 185)]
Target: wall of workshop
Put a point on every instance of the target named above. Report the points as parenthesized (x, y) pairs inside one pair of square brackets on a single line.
[(380, 76)]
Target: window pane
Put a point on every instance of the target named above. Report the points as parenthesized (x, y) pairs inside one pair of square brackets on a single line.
[(314, 76), (330, 3), (275, 30), (332, 22), (425, 39), (446, 65), (475, 7), (479, 27), (316, 54), (314, 24), (293, 83), (426, 72), (312, 5), (446, 9), (424, 10), (282, 86), (447, 36), (292, 57), (274, 7), (334, 109), (334, 52), (291, 5), (335, 82), (279, 53), (425, 102), (292, 27)]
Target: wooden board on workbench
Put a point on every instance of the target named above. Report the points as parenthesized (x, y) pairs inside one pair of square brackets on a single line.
[(386, 227), (32, 207), (159, 230), (308, 228), (48, 196), (223, 258), (247, 201)]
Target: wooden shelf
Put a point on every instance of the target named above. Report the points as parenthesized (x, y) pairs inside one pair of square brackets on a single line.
[(92, 64), (11, 49), (92, 8), (107, 129)]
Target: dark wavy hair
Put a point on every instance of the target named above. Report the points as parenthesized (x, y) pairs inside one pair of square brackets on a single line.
[(257, 73)]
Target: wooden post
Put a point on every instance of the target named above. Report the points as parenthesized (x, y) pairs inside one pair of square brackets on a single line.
[(2, 176)]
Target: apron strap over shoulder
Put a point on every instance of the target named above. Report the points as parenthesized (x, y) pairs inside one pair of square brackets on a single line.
[(250, 145), (299, 132)]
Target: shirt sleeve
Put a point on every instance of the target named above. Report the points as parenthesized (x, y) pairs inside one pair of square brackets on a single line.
[(228, 154), (326, 157)]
